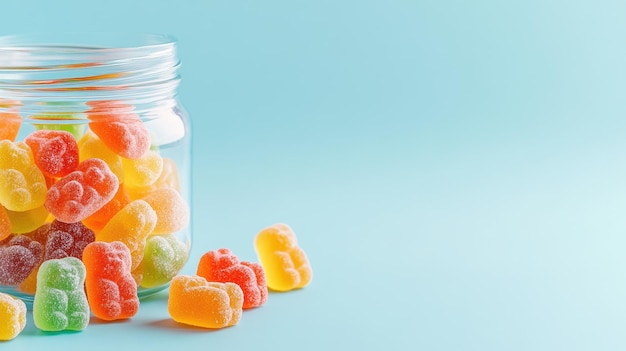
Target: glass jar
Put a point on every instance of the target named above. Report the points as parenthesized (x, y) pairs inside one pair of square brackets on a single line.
[(94, 146)]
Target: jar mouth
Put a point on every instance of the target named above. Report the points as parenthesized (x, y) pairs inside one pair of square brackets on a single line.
[(59, 69)]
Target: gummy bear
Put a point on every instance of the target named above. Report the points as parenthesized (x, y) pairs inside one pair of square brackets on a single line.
[(111, 289), (131, 225), (224, 266), (12, 316), (100, 218), (18, 258), (167, 179), (171, 209), (120, 129), (90, 146), (22, 184), (67, 239), (5, 224), (27, 221), (164, 257), (195, 301), (55, 151), (60, 302), (286, 264), (142, 171), (82, 192)]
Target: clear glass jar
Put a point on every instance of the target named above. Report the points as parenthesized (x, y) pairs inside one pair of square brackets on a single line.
[(71, 98)]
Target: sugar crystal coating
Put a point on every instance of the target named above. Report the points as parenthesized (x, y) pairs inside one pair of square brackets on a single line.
[(111, 289), (82, 192), (223, 266), (60, 302), (286, 264), (195, 301), (12, 316), (22, 184)]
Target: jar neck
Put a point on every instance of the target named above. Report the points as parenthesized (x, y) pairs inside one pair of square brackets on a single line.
[(42, 76)]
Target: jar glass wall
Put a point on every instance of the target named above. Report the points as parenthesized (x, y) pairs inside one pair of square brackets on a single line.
[(94, 146)]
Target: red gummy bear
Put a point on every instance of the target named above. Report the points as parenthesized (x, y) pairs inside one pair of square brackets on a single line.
[(67, 239), (111, 289), (19, 256), (55, 151), (223, 266), (82, 192)]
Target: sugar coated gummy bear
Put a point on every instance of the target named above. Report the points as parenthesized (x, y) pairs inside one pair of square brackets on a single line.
[(111, 289), (22, 184), (171, 209), (55, 151), (131, 225), (164, 256), (223, 266), (120, 129), (60, 302), (167, 179), (19, 256), (286, 265), (67, 239), (82, 192), (12, 316), (195, 301)]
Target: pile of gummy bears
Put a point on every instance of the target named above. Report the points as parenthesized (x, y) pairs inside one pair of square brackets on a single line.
[(87, 218), (69, 290)]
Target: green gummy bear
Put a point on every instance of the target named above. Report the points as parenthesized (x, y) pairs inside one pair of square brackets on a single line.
[(60, 300), (164, 257)]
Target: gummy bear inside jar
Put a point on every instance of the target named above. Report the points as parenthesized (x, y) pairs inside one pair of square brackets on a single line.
[(94, 147)]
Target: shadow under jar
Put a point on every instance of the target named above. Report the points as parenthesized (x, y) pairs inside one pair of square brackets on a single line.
[(94, 146)]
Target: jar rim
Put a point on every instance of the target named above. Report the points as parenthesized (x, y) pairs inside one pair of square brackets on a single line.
[(88, 42)]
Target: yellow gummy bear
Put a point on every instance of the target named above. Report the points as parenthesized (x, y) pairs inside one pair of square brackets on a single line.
[(285, 263), (22, 184), (12, 316), (131, 225)]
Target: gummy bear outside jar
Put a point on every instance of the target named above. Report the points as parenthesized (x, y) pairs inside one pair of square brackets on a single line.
[(94, 146)]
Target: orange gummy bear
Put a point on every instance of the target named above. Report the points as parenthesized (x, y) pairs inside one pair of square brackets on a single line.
[(195, 301)]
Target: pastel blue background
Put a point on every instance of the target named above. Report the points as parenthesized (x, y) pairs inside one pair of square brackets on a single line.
[(454, 169)]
